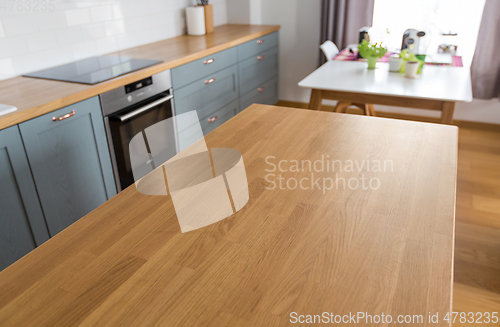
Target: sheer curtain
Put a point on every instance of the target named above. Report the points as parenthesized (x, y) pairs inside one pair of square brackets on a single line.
[(342, 19), (485, 68)]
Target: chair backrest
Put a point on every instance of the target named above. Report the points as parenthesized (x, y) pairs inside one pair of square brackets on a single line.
[(329, 49)]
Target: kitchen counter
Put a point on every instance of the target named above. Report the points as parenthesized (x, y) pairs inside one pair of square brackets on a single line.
[(386, 249), (35, 97)]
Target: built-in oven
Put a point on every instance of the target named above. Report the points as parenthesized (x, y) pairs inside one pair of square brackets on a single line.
[(129, 110)]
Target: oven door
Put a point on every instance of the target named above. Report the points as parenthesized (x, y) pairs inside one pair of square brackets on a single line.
[(127, 123)]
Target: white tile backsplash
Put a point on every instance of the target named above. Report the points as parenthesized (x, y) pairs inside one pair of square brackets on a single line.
[(48, 21), (41, 41), (101, 14), (2, 33), (106, 45), (13, 46), (7, 68), (19, 25), (84, 50), (94, 32), (77, 29), (78, 17), (115, 27)]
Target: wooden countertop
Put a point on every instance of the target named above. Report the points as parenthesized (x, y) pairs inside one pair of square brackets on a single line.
[(35, 97), (386, 250)]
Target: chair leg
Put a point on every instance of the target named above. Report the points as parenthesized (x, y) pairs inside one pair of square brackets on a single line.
[(342, 106), (372, 110), (367, 110)]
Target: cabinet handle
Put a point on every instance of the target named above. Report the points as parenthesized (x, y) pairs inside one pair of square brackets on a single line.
[(210, 81), (209, 61), (63, 117), (260, 89), (261, 41), (260, 57), (214, 118)]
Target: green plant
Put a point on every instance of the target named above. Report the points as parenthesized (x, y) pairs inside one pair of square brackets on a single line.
[(406, 55), (366, 50)]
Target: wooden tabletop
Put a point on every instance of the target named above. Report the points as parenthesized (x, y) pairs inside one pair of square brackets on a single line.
[(436, 82), (386, 249), (35, 97)]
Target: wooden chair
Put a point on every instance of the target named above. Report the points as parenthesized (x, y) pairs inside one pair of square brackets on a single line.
[(330, 50), (366, 107)]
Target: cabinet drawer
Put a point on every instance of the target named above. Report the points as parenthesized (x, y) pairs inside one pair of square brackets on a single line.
[(219, 117), (266, 93), (258, 69), (208, 94), (188, 73), (259, 45), (188, 136)]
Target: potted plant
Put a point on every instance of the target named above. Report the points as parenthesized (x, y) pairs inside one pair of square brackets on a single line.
[(408, 56), (371, 52)]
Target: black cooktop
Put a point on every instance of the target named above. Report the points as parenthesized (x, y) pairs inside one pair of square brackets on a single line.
[(93, 70)]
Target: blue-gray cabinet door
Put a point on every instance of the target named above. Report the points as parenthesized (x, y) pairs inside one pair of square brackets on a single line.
[(22, 226), (68, 154), (209, 94)]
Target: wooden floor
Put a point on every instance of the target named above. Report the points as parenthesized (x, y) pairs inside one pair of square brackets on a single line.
[(477, 252)]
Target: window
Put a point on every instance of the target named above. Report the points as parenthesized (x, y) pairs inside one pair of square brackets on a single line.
[(435, 17)]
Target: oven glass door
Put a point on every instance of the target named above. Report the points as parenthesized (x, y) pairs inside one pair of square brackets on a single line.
[(127, 123)]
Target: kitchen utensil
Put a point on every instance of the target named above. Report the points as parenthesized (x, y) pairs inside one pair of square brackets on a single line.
[(5, 109)]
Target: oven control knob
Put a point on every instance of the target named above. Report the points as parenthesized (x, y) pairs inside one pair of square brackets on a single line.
[(129, 98)]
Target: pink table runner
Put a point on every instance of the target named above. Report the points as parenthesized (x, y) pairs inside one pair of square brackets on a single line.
[(346, 55)]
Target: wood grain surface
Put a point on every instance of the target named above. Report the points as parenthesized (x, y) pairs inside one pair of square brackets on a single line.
[(386, 250), (35, 97)]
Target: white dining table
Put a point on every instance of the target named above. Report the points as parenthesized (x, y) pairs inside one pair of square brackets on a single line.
[(436, 88)]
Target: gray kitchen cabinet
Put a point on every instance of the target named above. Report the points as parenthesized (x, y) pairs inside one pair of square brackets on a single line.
[(201, 68), (70, 162), (209, 94), (219, 117), (257, 46), (258, 69), (22, 225), (266, 93), (225, 83)]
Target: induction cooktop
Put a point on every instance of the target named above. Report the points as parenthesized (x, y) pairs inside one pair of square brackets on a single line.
[(93, 70)]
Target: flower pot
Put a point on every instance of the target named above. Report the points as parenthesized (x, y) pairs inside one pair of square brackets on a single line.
[(372, 62), (422, 62), (412, 68), (395, 64)]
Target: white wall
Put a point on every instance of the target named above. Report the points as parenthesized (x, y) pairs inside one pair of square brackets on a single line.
[(244, 12), (238, 11), (71, 30), (299, 41), (299, 46)]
